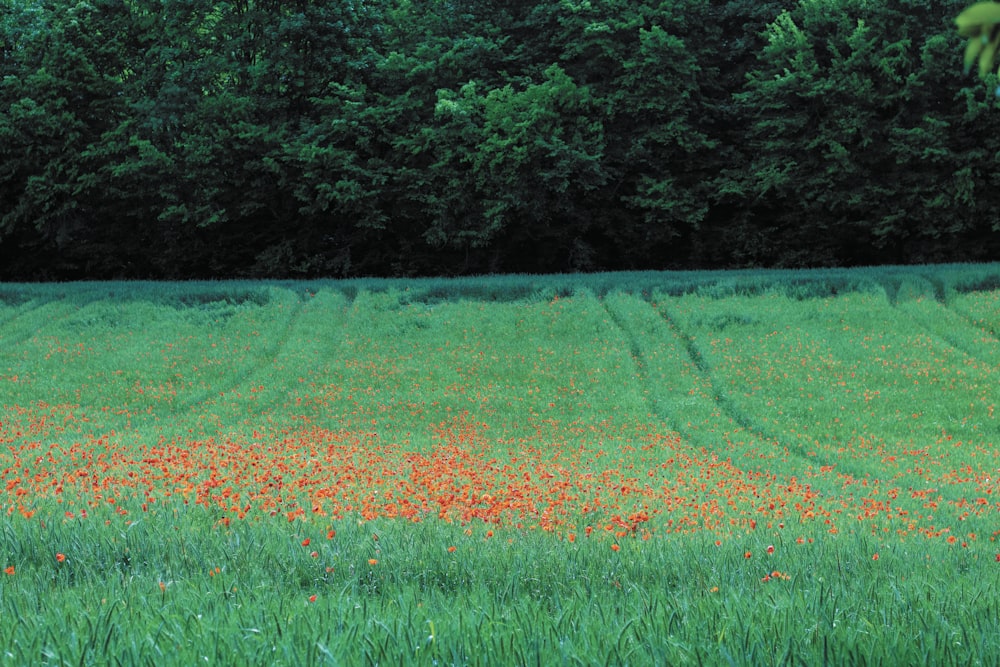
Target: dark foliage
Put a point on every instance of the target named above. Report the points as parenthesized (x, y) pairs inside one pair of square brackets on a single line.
[(262, 138)]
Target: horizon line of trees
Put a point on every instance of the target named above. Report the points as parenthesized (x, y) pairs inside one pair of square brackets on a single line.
[(270, 138)]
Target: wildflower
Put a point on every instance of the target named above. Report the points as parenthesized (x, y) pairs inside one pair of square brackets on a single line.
[(451, 549), (615, 547), (10, 569), (489, 533), (305, 542), (713, 589), (312, 598), (314, 554), (770, 549), (747, 554), (571, 537), (874, 556), (373, 561), (60, 557)]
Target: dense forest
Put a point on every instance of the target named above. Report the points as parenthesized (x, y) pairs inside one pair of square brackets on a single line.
[(258, 138)]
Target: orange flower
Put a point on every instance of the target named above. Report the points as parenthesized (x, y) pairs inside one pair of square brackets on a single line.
[(60, 557), (770, 549), (312, 598), (747, 554), (9, 570), (451, 549), (615, 547), (373, 561), (305, 542), (874, 556)]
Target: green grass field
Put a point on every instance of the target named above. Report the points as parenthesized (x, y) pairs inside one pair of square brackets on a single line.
[(746, 468)]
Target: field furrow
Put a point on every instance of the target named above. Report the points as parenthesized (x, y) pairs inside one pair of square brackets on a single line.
[(714, 468)]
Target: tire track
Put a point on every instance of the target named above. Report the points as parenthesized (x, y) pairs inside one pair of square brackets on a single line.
[(945, 332), (267, 358), (721, 399), (655, 404), (696, 402)]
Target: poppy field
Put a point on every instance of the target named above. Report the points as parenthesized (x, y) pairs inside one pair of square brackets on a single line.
[(657, 468)]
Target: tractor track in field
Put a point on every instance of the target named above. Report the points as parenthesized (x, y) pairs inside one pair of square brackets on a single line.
[(942, 299), (722, 400), (29, 330), (697, 360), (267, 358), (638, 359)]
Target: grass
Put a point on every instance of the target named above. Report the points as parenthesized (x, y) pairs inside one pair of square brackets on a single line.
[(784, 467)]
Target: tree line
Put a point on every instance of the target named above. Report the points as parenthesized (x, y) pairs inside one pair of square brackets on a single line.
[(258, 138)]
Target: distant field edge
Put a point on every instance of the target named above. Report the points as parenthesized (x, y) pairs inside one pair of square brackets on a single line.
[(897, 282)]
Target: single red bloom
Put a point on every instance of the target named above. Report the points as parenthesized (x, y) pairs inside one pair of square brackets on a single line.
[(747, 554), (10, 569), (615, 547), (373, 561), (60, 557), (305, 542), (451, 549), (998, 558), (312, 598), (770, 549), (874, 556)]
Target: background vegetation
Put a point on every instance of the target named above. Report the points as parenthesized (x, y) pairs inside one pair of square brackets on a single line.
[(177, 139)]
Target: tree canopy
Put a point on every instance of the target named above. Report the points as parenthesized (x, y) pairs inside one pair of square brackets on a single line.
[(254, 138)]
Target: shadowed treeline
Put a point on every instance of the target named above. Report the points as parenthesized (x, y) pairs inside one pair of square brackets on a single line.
[(258, 138)]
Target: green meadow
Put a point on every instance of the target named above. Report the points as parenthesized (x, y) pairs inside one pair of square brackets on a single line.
[(706, 468)]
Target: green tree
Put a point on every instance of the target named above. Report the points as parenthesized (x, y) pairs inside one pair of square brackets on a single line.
[(854, 130)]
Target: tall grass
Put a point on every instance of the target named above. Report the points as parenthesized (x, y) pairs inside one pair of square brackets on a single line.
[(789, 467)]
